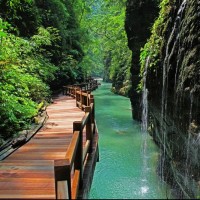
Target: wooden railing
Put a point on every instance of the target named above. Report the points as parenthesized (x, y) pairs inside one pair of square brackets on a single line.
[(89, 86), (69, 171)]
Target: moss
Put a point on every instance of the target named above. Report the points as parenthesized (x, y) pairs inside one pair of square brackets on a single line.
[(156, 42), (158, 28), (181, 124)]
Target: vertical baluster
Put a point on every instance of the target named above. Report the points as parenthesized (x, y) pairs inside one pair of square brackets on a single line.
[(78, 164), (62, 172), (89, 134)]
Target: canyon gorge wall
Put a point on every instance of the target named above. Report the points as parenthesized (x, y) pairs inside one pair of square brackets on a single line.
[(171, 64), (140, 16)]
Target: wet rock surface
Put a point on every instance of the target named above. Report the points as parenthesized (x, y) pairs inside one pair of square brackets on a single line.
[(174, 95), (140, 15)]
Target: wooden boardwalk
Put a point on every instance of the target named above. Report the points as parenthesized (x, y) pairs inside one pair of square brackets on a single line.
[(29, 173)]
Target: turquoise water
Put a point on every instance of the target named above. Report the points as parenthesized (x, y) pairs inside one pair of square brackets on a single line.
[(127, 166)]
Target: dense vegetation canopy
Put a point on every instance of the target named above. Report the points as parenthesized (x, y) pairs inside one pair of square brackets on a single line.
[(47, 44)]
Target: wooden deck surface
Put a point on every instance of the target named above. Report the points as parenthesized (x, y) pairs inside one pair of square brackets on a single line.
[(29, 171)]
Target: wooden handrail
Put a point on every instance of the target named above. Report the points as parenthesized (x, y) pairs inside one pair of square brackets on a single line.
[(87, 87), (86, 150), (70, 155), (69, 171), (75, 185), (85, 119)]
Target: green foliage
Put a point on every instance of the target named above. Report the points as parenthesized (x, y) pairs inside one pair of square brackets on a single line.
[(3, 27), (41, 49), (60, 15), (16, 112), (121, 81), (14, 3), (69, 70), (103, 23), (22, 15), (154, 45), (23, 73)]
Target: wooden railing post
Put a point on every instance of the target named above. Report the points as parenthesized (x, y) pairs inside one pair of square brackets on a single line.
[(78, 164), (62, 172), (70, 91), (89, 134), (90, 86), (96, 82), (64, 90), (75, 92), (62, 192), (77, 96), (81, 99), (93, 110), (86, 87), (88, 103)]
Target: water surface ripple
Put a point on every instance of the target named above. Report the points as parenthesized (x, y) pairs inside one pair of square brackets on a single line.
[(121, 173)]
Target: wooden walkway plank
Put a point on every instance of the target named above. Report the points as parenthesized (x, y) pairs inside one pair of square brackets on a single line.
[(28, 173)]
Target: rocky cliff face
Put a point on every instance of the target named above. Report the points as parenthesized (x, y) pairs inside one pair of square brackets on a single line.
[(174, 94), (173, 84), (140, 15)]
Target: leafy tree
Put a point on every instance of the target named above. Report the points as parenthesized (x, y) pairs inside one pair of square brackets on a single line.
[(39, 47), (104, 25), (24, 74), (22, 15), (60, 15)]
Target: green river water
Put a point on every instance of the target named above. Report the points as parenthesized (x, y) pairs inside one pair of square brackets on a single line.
[(128, 157)]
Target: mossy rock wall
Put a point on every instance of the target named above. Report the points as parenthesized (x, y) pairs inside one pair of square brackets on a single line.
[(173, 83), (140, 15)]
